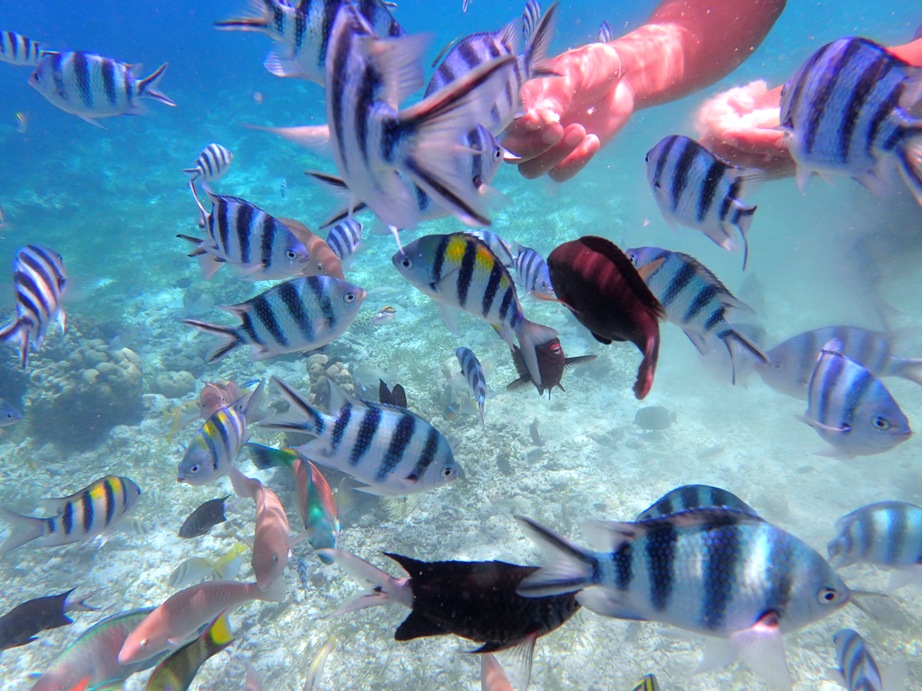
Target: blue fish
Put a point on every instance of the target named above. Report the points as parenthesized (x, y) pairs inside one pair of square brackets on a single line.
[(689, 497), (857, 669), (532, 272), (211, 165), (345, 238)]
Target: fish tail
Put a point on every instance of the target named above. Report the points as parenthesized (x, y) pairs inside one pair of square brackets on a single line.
[(18, 331), (569, 567), (301, 415), (909, 368), (909, 156), (531, 335), (218, 635), (80, 605), (537, 44), (258, 20), (146, 87), (647, 369), (265, 457), (231, 335), (383, 588), (434, 158), (737, 343), (23, 529)]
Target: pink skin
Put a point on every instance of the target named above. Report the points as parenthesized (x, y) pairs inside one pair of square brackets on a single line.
[(685, 46), (272, 539), (740, 125)]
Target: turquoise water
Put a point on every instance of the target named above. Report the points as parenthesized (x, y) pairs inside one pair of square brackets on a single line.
[(111, 202)]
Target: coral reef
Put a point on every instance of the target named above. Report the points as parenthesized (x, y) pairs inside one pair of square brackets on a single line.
[(172, 384)]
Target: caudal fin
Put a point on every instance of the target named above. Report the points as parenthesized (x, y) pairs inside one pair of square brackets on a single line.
[(531, 335), (569, 567), (17, 332), (647, 369), (146, 87), (737, 343), (436, 157), (539, 40), (908, 368), (301, 415), (258, 20), (910, 164), (231, 336), (383, 588), (23, 529)]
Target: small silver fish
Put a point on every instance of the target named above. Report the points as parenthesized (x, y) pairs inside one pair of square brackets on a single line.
[(9, 415)]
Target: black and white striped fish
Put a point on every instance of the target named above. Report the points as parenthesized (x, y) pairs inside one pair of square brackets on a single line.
[(857, 669), (694, 188), (480, 48), (291, 317), (345, 238), (16, 49), (242, 235), (498, 246), (847, 110), (92, 511), (211, 165), (532, 272), (38, 277), (390, 449), (851, 408), (473, 372), (690, 497), (302, 31), (717, 572), (379, 149), (605, 35), (791, 363), (696, 301), (92, 86)]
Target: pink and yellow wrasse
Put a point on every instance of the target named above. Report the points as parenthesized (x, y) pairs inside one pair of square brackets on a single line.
[(385, 314), (272, 539)]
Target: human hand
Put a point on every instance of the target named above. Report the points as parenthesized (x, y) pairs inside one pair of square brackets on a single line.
[(568, 118)]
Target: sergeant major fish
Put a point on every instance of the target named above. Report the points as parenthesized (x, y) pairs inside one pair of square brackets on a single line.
[(292, 317), (689, 497), (459, 270), (532, 272), (345, 238), (698, 190), (38, 278), (16, 49), (857, 669), (473, 373), (211, 165), (847, 110), (850, 408), (92, 86), (716, 572)]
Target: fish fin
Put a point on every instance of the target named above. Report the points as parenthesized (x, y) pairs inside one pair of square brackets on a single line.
[(232, 339), (538, 43), (277, 591), (449, 317), (492, 675), (418, 626), (605, 602), (820, 427), (602, 339), (803, 175), (909, 156), (265, 457), (908, 368), (80, 605), (281, 65), (433, 159), (91, 121), (257, 21), (519, 660), (607, 536), (531, 335), (147, 86), (23, 529), (894, 676), (569, 568), (698, 340), (314, 138), (519, 383), (301, 416), (209, 264), (762, 649), (717, 654), (835, 676), (399, 61), (900, 578), (17, 331), (736, 344), (384, 587), (218, 634)]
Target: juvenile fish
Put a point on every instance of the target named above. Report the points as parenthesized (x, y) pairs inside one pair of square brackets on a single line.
[(23, 623), (177, 672), (92, 86), (532, 272), (791, 362), (460, 271), (38, 278), (551, 364), (204, 518), (717, 572), (292, 317), (605, 35), (857, 669), (847, 111), (473, 372), (696, 189), (271, 540), (498, 246), (345, 238), (392, 450), (92, 511), (695, 300), (850, 408), (211, 165), (9, 414), (16, 49), (654, 418), (323, 260), (690, 497), (242, 235)]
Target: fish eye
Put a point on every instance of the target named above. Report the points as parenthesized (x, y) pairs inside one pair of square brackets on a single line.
[(657, 186), (406, 262), (555, 349), (632, 257), (193, 469), (646, 158), (778, 365), (880, 423), (828, 596), (291, 254), (478, 181), (447, 472), (275, 559), (349, 297), (498, 154)]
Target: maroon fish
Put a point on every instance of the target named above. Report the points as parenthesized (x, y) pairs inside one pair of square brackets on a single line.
[(608, 296), (551, 364)]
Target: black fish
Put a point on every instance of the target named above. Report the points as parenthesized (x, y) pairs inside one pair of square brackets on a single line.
[(204, 518), (396, 396), (551, 364), (20, 625)]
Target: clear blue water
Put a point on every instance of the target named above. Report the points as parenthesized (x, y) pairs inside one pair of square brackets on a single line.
[(112, 200)]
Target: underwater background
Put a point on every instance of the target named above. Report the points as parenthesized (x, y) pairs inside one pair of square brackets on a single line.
[(112, 200)]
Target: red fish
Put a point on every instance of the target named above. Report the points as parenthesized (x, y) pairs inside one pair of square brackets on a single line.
[(606, 294), (551, 364)]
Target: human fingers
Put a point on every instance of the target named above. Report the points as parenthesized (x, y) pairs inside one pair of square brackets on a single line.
[(528, 140), (536, 167), (576, 160)]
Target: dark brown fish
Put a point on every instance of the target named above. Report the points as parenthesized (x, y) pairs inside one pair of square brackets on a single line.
[(396, 396), (551, 365), (204, 518), (20, 625), (607, 295)]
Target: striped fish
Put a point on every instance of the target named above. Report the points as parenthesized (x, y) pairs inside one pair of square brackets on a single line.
[(16, 49), (345, 238), (366, 79), (605, 35), (291, 317), (847, 111), (473, 372), (92, 511), (696, 301), (179, 669), (303, 574), (857, 669), (648, 682), (38, 277), (390, 449), (716, 572), (211, 165), (480, 48), (459, 270), (498, 246), (791, 362), (690, 497), (92, 86), (694, 188), (302, 31), (217, 443), (241, 234), (850, 408), (532, 272)]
